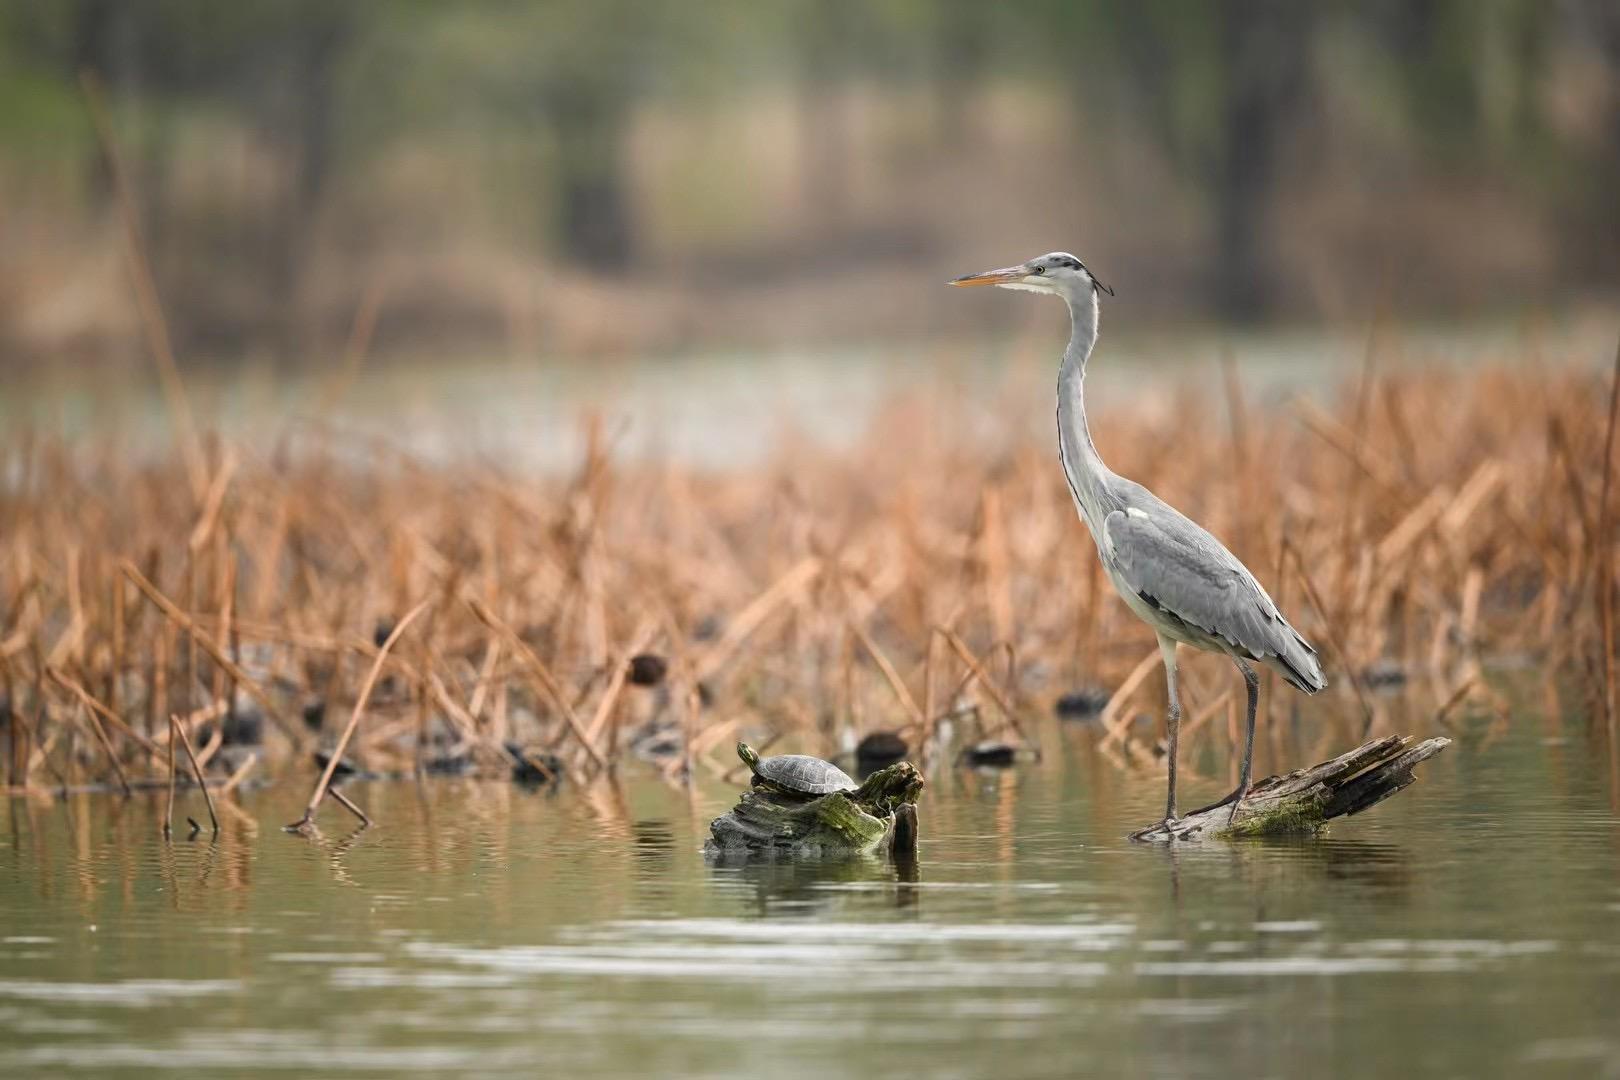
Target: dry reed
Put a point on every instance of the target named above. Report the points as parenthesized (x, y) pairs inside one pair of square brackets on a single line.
[(1435, 519)]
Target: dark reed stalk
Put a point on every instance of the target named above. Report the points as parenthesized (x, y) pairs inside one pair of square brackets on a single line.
[(360, 704), (168, 806), (547, 682), (1333, 640), (196, 770), (188, 625), (106, 746)]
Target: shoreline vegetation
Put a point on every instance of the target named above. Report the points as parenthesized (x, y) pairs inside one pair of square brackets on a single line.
[(456, 618)]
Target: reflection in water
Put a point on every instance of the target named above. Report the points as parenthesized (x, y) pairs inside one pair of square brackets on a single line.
[(816, 887), (1379, 866), (654, 849), (1470, 927)]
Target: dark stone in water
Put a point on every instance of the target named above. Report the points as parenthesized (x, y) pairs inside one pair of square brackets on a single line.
[(535, 767), (1082, 704), (877, 750), (648, 669), (993, 755), (244, 727), (448, 765), (1384, 674), (658, 743), (345, 768)]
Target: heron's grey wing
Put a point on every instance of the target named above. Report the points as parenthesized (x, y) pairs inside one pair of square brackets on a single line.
[(1186, 573)]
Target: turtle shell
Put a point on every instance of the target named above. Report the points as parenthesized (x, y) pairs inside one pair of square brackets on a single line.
[(805, 774)]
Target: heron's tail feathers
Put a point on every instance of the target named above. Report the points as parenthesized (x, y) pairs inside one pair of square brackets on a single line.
[(1296, 662)]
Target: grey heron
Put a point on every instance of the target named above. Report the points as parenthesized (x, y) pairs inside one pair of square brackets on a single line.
[(1172, 573)]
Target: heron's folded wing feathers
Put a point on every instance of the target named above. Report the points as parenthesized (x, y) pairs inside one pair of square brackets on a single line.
[(1184, 571)]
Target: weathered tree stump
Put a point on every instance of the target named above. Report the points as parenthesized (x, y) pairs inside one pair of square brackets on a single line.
[(1302, 802), (881, 811)]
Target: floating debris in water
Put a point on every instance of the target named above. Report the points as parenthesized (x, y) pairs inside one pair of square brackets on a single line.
[(1086, 703), (534, 767), (452, 764), (243, 727), (648, 669), (345, 770), (657, 742), (990, 755), (1385, 674)]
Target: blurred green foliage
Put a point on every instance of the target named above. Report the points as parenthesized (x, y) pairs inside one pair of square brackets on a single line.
[(539, 101)]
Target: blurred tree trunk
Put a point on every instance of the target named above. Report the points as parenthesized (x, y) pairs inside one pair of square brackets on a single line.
[(825, 48), (1219, 86), (305, 129), (1265, 48), (92, 53), (592, 195), (1595, 225), (962, 40)]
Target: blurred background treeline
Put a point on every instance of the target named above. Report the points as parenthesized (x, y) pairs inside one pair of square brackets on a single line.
[(587, 177)]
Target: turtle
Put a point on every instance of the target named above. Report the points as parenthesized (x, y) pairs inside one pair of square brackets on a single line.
[(797, 776)]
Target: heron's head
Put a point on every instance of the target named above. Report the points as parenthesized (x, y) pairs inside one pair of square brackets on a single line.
[(1059, 273)]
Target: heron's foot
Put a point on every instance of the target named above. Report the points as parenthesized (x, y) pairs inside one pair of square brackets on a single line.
[(1233, 799), (1168, 826)]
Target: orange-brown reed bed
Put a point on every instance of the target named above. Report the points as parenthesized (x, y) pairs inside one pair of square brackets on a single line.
[(1418, 524)]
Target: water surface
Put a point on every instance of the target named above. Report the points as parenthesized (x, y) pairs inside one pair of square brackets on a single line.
[(1470, 927)]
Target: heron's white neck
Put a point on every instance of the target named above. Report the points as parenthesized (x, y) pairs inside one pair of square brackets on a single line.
[(1081, 463)]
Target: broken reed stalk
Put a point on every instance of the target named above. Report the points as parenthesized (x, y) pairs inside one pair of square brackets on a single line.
[(1333, 640), (890, 675), (616, 682), (360, 704), (542, 675), (1114, 721), (189, 626), (349, 805), (112, 757), (168, 807), (960, 648), (175, 725), (96, 708)]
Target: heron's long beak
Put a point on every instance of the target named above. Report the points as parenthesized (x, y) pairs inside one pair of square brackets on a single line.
[(992, 277)]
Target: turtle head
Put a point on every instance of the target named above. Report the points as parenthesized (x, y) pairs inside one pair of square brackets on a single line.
[(747, 754)]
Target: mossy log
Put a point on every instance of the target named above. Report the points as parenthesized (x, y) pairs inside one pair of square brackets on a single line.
[(1302, 802), (858, 821)]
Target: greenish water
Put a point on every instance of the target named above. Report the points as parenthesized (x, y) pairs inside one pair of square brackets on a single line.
[(1470, 927)]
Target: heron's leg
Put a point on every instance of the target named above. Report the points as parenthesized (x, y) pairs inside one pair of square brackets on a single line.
[(1167, 649), (1252, 682)]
